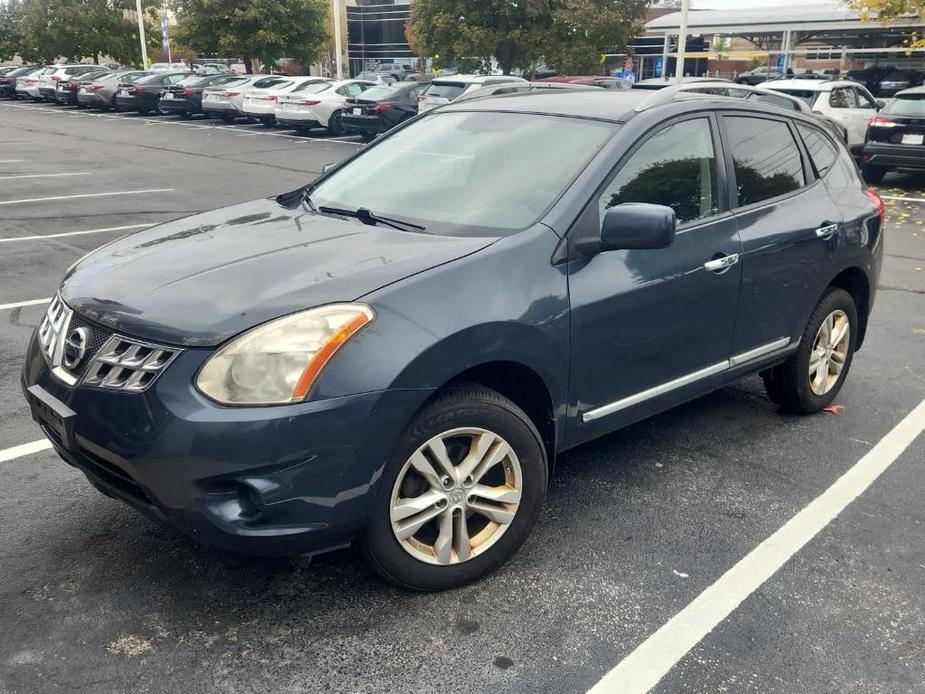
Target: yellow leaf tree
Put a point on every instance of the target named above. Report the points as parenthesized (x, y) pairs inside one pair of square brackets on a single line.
[(887, 10)]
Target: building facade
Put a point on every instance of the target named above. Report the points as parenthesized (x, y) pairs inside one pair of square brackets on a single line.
[(376, 33)]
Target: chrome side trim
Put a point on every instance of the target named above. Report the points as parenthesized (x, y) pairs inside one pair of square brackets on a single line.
[(758, 352), (686, 380), (654, 392)]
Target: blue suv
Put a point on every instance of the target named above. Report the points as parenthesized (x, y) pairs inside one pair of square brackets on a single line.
[(395, 354)]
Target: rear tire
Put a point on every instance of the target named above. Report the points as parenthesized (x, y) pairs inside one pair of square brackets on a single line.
[(186, 115), (335, 124), (464, 416), (796, 386), (873, 174)]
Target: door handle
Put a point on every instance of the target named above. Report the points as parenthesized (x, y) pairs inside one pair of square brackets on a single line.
[(721, 264), (827, 231)]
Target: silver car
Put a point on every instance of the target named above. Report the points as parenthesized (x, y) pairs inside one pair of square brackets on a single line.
[(227, 101), (101, 92)]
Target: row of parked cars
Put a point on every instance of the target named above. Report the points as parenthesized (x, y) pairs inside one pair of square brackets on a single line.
[(880, 81)]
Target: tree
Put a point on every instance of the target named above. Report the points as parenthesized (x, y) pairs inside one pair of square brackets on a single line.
[(10, 30), (570, 34), (887, 10), (263, 29)]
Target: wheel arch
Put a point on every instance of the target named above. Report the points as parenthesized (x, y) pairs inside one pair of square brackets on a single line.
[(855, 281)]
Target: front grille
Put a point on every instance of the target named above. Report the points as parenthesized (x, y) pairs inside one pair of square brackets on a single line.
[(83, 353), (127, 365)]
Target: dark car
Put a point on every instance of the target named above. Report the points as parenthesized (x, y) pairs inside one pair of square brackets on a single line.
[(185, 97), (101, 92), (899, 80), (896, 136), (66, 91), (8, 80), (381, 108), (144, 95), (397, 352), (870, 77)]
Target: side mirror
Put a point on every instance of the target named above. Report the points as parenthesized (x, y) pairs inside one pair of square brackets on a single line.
[(880, 104), (635, 225)]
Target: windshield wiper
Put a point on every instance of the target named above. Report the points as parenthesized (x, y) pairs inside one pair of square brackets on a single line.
[(368, 217)]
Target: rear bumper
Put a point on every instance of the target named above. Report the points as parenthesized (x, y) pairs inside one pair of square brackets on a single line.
[(47, 93), (220, 107), (289, 121), (363, 124), (897, 156), (179, 106), (92, 100), (65, 97), (135, 103)]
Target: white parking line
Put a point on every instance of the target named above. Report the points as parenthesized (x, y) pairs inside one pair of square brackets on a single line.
[(11, 161), (37, 237), (24, 449), (901, 199), (51, 175), (20, 304), (88, 195), (648, 663)]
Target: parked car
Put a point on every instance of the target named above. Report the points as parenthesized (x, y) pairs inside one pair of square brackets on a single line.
[(67, 89), (846, 102), (318, 105), (260, 103), (896, 136), (376, 77), (144, 94), (899, 80), (397, 71), (170, 67), (101, 91), (663, 82), (50, 76), (8, 80), (443, 90), (211, 69), (369, 358), (760, 74), (870, 77), (591, 80), (520, 88), (227, 102), (27, 85), (185, 97), (380, 108)]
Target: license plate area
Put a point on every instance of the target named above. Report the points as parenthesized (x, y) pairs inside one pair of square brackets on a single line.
[(50, 412), (913, 139)]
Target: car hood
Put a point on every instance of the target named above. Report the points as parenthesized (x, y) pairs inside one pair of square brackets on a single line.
[(200, 280)]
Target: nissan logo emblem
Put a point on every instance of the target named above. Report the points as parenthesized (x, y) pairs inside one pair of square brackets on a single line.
[(75, 347)]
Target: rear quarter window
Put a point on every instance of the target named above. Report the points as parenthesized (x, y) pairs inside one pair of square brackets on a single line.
[(445, 90), (822, 150)]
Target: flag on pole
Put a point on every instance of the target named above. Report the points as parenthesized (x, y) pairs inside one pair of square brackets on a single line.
[(164, 34)]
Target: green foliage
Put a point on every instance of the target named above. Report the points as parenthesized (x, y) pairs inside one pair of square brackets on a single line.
[(570, 34), (10, 30), (75, 29), (887, 10), (264, 29)]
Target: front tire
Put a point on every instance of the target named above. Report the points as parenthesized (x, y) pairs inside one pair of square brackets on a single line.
[(813, 375), (460, 494)]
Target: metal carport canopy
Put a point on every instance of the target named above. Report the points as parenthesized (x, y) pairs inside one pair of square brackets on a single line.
[(759, 20)]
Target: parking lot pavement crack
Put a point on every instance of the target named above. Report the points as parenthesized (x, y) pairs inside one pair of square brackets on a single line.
[(887, 288)]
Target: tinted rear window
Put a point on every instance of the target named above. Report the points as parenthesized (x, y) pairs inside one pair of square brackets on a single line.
[(445, 90), (268, 82), (911, 105), (195, 81), (807, 95), (765, 158), (380, 92), (312, 87), (821, 149)]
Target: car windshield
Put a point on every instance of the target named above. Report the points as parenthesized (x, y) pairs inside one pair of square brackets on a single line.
[(445, 90), (906, 105), (467, 173), (311, 87), (380, 92), (806, 95)]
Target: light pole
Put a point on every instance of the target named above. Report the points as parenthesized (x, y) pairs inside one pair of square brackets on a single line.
[(338, 47), (682, 41), (141, 35)]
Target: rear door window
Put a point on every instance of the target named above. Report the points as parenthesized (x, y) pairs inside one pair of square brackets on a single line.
[(821, 149), (765, 158), (843, 97), (675, 167)]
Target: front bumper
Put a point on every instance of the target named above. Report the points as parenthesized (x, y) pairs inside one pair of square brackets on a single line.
[(262, 480), (896, 156)]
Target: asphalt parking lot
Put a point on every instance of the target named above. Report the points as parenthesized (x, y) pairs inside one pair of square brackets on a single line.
[(637, 525)]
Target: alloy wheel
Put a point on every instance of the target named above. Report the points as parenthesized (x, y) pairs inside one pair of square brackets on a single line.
[(830, 352), (456, 496)]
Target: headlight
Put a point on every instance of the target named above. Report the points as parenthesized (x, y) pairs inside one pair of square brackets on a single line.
[(278, 362)]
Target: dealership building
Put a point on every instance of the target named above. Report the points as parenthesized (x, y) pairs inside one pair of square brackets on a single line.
[(376, 33)]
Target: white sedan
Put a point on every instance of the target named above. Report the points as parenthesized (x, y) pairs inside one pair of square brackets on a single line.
[(260, 104), (318, 105)]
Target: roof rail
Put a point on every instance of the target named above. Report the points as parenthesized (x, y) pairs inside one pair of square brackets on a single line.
[(670, 93)]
